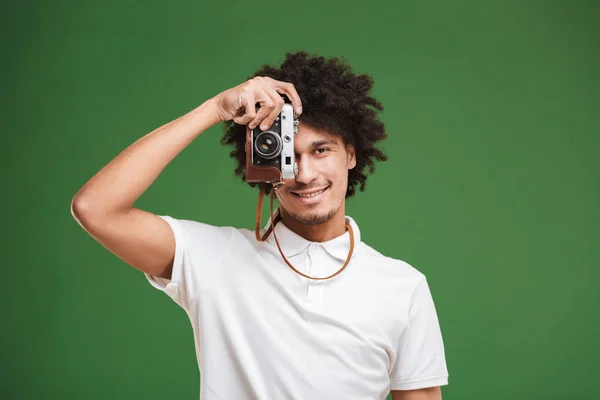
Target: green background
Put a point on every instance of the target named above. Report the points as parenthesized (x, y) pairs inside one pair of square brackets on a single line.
[(491, 190)]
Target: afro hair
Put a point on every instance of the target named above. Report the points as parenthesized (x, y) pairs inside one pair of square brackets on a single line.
[(334, 100)]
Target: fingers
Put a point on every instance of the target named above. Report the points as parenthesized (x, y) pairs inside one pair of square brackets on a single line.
[(268, 108), (266, 92), (272, 112), (247, 99), (289, 90)]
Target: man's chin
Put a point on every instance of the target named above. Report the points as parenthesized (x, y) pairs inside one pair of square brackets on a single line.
[(312, 218)]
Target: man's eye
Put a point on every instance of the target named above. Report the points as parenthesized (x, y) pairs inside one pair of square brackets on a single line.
[(321, 150)]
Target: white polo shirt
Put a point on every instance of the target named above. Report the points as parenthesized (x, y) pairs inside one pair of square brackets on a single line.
[(262, 331)]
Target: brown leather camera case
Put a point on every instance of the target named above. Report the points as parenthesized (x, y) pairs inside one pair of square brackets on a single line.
[(258, 174)]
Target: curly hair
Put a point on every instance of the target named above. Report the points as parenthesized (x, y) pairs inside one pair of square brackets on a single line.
[(334, 100)]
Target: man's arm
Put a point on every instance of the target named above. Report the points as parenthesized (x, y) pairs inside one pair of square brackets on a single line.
[(104, 205), (431, 393)]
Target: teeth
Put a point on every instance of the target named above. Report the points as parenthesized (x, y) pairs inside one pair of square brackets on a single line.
[(311, 195)]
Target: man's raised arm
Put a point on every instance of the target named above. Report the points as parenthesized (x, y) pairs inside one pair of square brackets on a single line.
[(104, 205)]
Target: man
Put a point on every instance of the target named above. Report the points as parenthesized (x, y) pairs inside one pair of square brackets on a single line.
[(263, 330)]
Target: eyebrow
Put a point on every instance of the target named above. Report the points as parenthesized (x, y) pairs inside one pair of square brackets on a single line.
[(322, 142)]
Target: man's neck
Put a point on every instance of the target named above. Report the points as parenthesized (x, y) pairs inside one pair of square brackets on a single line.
[(334, 227)]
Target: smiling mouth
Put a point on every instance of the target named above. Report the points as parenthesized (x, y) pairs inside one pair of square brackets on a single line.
[(310, 195)]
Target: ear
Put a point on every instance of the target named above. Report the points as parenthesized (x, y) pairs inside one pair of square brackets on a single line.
[(351, 156)]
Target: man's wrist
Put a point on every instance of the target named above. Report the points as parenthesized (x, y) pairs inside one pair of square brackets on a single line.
[(208, 113)]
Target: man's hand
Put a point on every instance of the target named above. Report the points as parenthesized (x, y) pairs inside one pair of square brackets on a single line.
[(239, 103)]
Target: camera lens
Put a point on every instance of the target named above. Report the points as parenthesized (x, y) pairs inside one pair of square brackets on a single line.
[(268, 145)]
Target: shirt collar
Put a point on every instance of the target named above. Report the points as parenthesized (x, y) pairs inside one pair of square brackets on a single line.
[(292, 243)]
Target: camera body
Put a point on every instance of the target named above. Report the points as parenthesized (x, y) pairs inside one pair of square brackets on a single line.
[(270, 156)]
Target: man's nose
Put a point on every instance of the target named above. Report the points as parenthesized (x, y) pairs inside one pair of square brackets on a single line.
[(306, 170)]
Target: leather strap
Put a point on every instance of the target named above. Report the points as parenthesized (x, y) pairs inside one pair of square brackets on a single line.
[(261, 196)]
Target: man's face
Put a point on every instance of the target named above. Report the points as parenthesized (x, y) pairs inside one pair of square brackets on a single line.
[(319, 189)]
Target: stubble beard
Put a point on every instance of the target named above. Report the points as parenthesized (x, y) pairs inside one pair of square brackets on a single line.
[(313, 218)]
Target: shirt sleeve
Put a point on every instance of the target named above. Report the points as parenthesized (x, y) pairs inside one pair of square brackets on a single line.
[(420, 359), (198, 246)]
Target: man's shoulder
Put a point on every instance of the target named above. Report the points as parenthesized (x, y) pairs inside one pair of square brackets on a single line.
[(199, 229), (391, 265)]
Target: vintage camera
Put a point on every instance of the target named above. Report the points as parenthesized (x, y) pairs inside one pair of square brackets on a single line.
[(270, 154)]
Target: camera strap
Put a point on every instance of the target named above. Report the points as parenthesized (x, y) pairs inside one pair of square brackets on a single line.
[(271, 228)]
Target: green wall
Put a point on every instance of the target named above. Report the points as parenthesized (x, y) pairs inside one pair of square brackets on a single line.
[(491, 190)]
